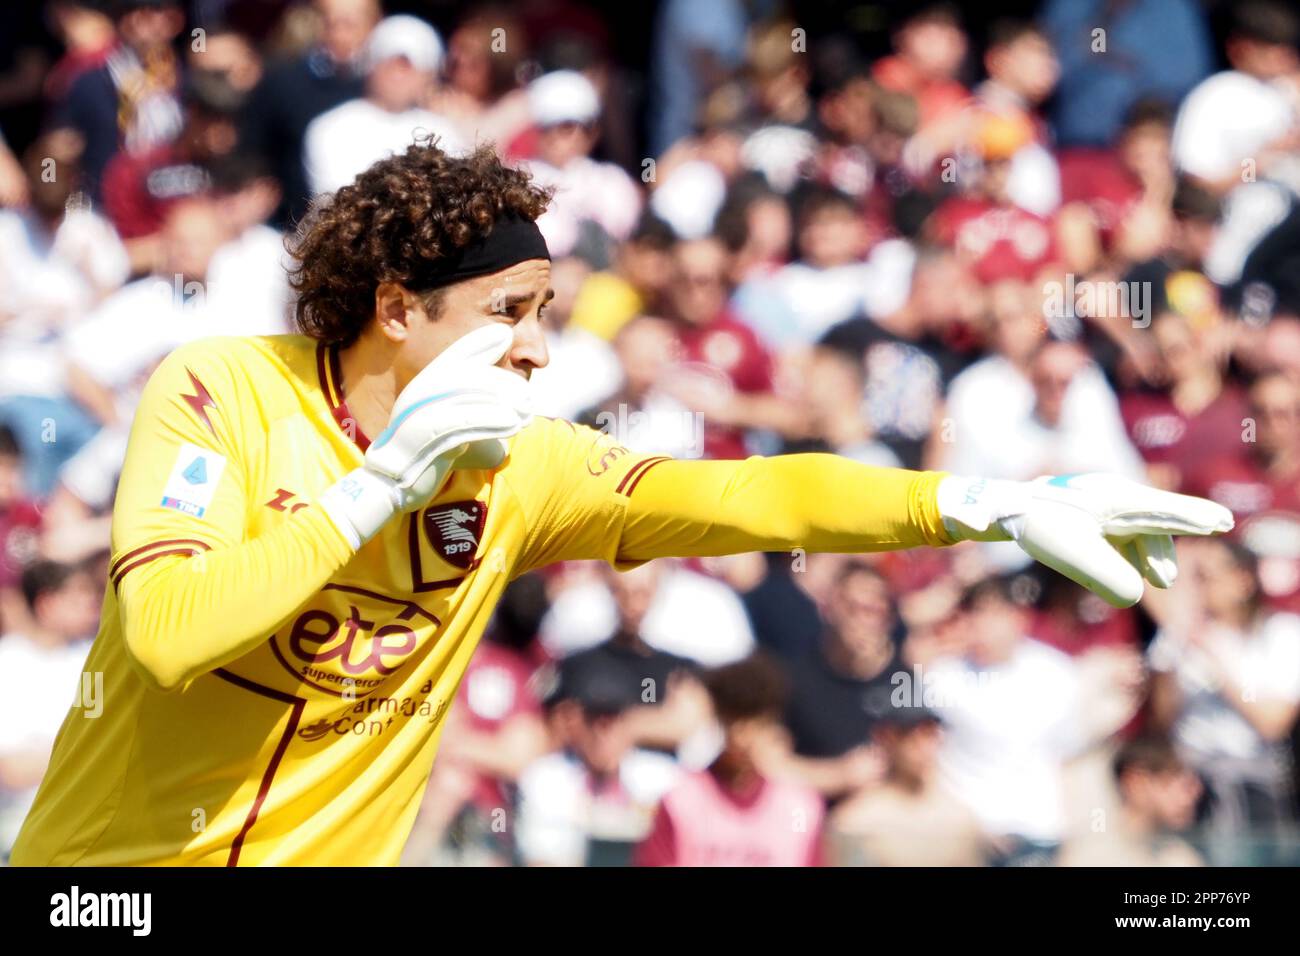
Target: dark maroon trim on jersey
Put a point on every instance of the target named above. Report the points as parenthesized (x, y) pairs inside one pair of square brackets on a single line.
[(634, 473), (189, 552), (112, 568), (331, 383), (295, 715), (644, 471)]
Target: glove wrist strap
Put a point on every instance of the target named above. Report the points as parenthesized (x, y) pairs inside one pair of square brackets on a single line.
[(979, 509), (360, 503)]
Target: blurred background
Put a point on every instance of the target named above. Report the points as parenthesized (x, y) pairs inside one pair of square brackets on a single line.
[(1004, 240)]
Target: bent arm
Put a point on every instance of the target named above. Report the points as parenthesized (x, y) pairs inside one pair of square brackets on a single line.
[(189, 614)]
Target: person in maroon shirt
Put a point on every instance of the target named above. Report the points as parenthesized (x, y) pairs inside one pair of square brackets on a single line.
[(1262, 486), (1107, 184), (139, 188), (1195, 417), (724, 371)]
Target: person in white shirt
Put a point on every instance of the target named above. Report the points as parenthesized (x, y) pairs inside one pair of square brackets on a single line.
[(1227, 685), (593, 800), (402, 57), (42, 672), (248, 278), (565, 107), (835, 278), (1015, 712), (58, 260), (1238, 133)]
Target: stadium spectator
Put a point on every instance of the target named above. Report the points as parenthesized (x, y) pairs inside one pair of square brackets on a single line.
[(929, 49), (42, 667), (589, 196), (1157, 801), (592, 801), (131, 101), (672, 706), (909, 818), (840, 686), (730, 813), (402, 58), (635, 282), (60, 260), (1237, 132), (295, 92), (497, 730), (1227, 687), (140, 186), (1108, 62), (1015, 712), (1262, 486)]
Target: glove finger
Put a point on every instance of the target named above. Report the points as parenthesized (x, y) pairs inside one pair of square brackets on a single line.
[(488, 453), (1155, 512), (485, 345), (1156, 559), (446, 427), (475, 351), (1068, 541)]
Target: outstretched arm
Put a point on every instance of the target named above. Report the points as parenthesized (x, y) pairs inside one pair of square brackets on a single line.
[(813, 501)]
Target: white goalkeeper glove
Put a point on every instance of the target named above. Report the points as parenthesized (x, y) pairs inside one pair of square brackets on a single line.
[(455, 413), (1102, 531)]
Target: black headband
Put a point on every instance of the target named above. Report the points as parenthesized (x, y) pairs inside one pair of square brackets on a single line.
[(513, 239)]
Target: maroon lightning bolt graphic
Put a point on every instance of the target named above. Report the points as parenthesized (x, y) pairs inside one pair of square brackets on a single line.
[(200, 401)]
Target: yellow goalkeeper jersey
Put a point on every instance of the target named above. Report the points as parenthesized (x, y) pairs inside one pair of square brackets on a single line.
[(264, 695)]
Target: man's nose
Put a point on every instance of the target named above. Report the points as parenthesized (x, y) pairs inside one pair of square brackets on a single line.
[(529, 348)]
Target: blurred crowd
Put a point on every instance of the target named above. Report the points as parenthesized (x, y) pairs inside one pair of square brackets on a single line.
[(932, 237)]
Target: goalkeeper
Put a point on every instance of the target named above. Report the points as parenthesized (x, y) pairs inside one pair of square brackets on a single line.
[(311, 532)]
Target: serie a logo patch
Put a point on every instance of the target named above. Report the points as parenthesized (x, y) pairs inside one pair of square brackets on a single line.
[(193, 480)]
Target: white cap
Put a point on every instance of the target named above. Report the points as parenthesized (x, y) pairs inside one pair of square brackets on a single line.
[(564, 96), (689, 199), (405, 36)]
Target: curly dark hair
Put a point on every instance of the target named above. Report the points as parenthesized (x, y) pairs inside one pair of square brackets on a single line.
[(401, 212)]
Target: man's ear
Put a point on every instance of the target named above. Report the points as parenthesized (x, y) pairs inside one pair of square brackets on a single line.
[(393, 305)]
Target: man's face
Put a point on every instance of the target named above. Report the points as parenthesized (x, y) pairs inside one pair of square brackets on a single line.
[(72, 612), (1170, 796), (912, 752), (516, 296), (634, 592), (345, 26), (995, 627), (602, 741), (149, 28), (397, 85), (935, 47), (1275, 405), (699, 288), (860, 614), (834, 235), (562, 143), (1051, 374), (191, 235), (1028, 66)]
